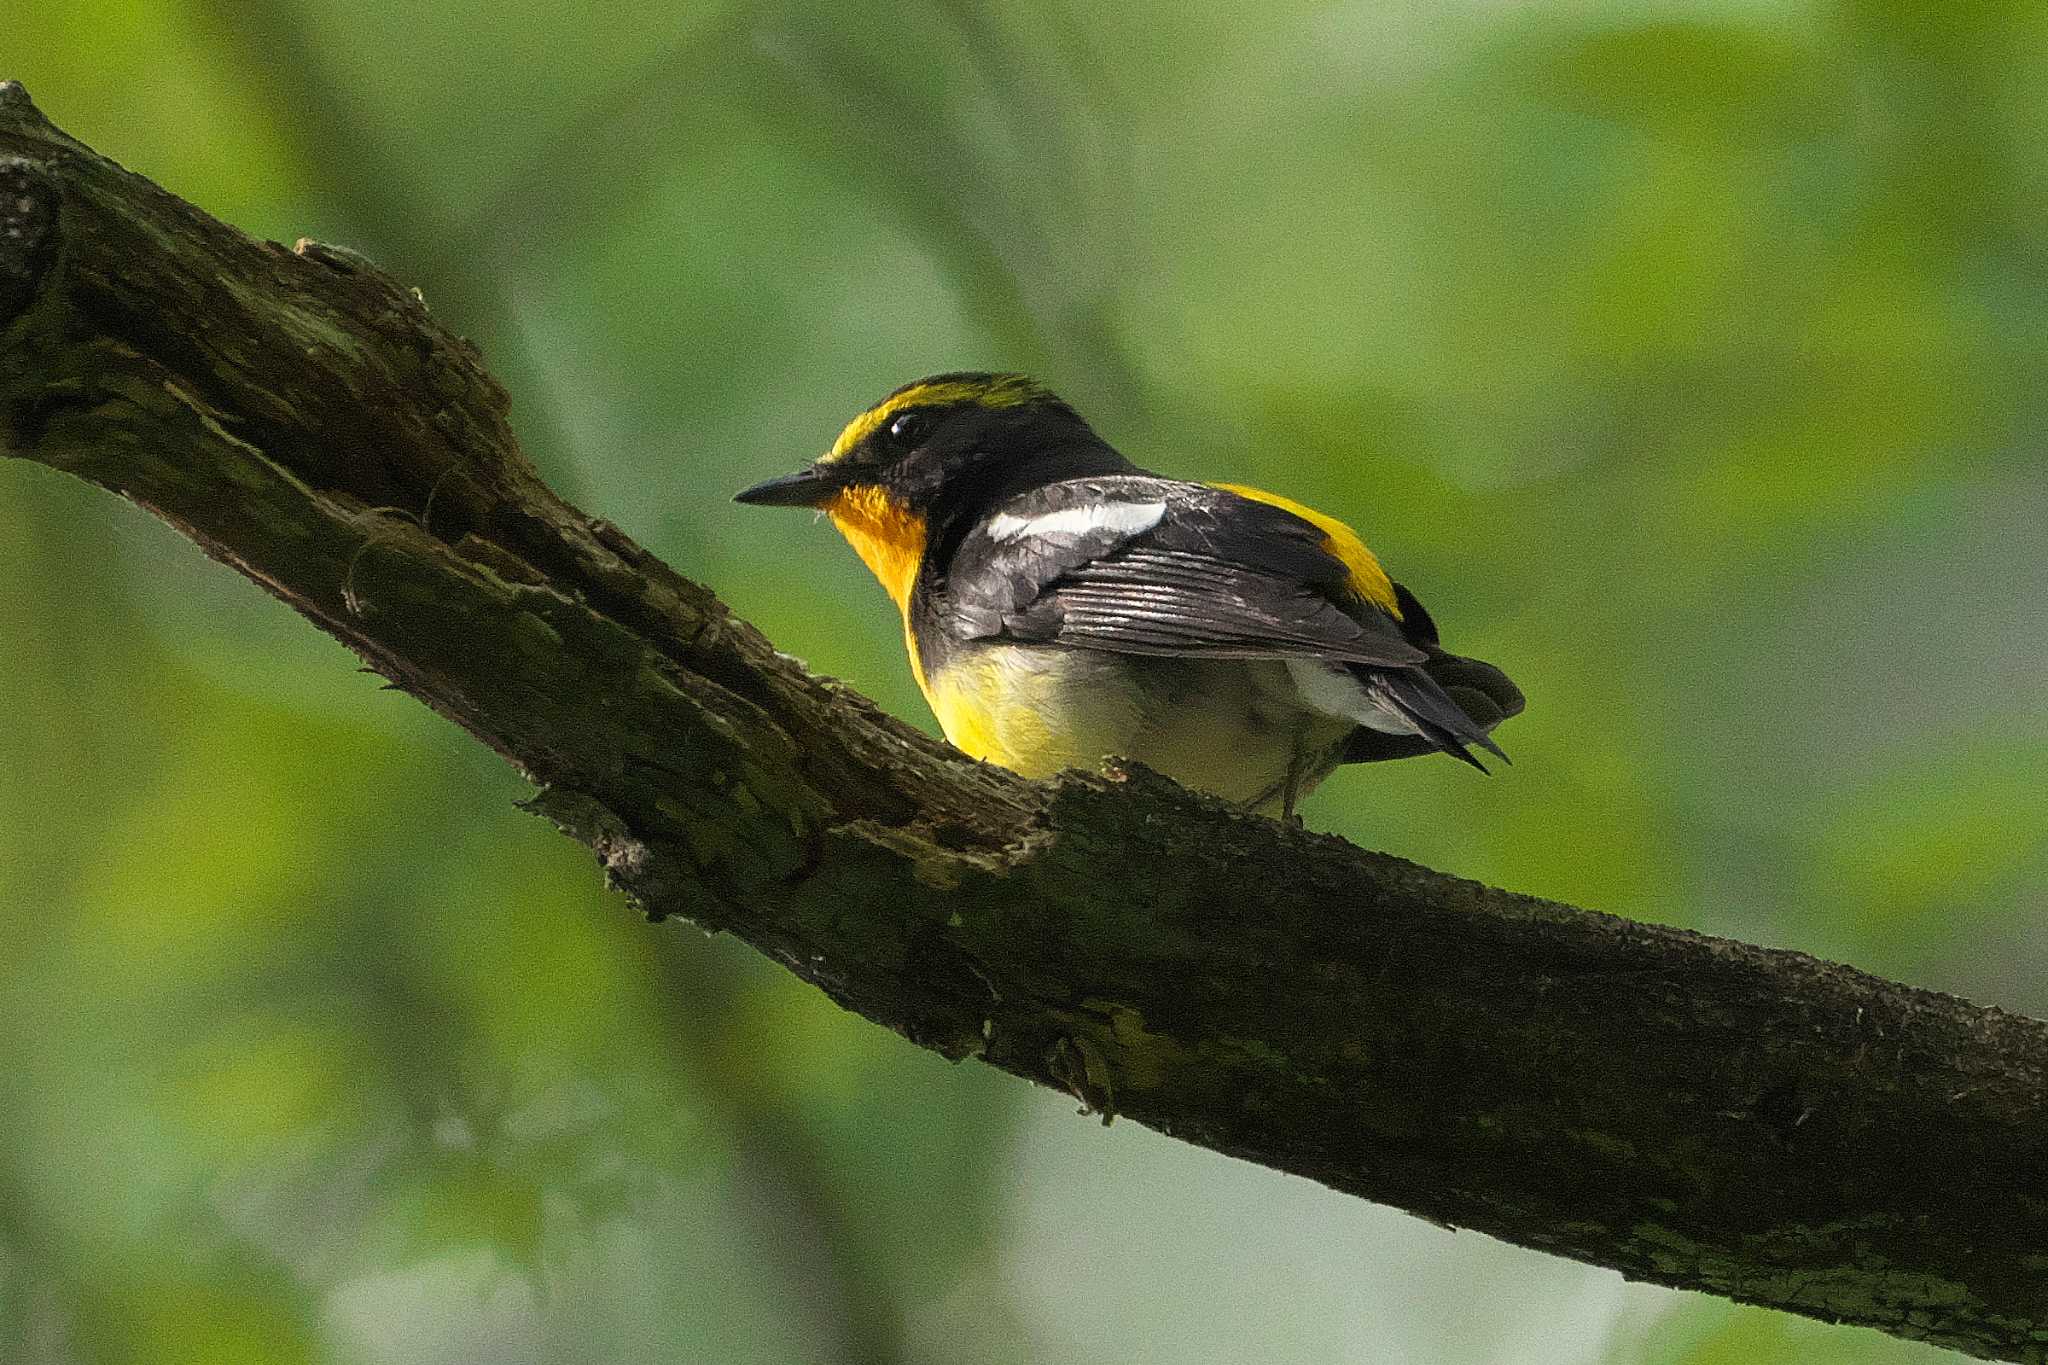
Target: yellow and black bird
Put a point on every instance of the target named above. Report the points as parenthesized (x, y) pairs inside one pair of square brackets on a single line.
[(1062, 605)]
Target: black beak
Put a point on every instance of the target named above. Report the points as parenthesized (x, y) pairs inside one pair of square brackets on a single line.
[(808, 487)]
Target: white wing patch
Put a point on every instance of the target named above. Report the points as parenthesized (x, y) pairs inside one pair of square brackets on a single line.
[(1124, 518), (1336, 691)]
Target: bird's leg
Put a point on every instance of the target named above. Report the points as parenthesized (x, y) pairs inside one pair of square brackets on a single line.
[(1290, 790)]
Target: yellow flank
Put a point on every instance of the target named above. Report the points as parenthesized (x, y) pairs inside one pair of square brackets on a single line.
[(1035, 711), (997, 391), (982, 722), (1368, 579)]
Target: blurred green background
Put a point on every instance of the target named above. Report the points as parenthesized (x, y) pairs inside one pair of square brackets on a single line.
[(1687, 359)]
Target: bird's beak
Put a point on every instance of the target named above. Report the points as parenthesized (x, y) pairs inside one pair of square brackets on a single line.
[(811, 486)]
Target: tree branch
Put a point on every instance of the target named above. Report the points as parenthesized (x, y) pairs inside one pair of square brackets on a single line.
[(1701, 1113)]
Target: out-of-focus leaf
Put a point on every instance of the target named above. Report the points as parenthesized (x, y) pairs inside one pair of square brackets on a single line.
[(1717, 75), (1935, 835)]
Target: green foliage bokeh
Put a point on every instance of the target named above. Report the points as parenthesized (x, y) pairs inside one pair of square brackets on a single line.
[(1686, 358)]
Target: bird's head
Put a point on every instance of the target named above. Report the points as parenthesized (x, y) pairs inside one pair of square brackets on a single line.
[(933, 455), (935, 440)]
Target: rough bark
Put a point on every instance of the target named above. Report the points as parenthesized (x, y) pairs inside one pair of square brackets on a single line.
[(1697, 1112)]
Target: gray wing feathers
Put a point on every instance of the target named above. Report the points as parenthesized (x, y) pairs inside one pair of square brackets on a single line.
[(1147, 566), (1171, 602)]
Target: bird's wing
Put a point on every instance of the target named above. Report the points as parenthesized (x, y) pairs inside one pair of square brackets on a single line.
[(1139, 565), (1133, 564)]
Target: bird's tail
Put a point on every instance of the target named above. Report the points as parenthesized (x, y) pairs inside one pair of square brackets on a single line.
[(1453, 703)]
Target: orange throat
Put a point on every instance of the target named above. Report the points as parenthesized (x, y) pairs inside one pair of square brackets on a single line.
[(886, 534)]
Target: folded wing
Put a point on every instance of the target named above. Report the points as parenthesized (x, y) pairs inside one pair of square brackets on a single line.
[(1140, 565)]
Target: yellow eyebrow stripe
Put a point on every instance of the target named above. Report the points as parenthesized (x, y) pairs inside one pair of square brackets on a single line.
[(1001, 391), (1367, 578)]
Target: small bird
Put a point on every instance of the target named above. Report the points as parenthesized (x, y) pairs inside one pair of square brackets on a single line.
[(1062, 605)]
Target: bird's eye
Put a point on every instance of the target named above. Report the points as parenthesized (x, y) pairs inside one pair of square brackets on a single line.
[(909, 428)]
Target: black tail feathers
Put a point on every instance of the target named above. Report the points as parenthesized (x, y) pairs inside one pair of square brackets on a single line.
[(1451, 700)]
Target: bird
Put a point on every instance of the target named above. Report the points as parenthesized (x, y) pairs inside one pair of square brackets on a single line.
[(1062, 606)]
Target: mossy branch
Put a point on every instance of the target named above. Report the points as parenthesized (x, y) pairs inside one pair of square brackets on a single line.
[(1705, 1114)]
